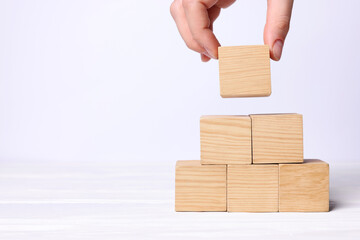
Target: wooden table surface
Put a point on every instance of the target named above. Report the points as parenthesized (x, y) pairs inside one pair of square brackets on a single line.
[(135, 200)]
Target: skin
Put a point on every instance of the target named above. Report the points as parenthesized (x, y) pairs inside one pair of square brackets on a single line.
[(195, 18)]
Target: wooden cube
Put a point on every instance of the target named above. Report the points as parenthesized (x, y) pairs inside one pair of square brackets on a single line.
[(277, 138), (200, 187), (253, 188), (244, 71), (225, 139), (304, 187)]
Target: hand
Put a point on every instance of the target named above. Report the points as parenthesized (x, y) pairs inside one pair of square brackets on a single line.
[(194, 20)]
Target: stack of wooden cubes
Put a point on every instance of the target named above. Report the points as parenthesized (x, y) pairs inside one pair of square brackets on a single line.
[(252, 163)]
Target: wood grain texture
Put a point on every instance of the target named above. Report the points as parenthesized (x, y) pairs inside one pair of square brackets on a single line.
[(225, 139), (244, 71), (200, 187), (277, 138), (253, 188), (304, 187)]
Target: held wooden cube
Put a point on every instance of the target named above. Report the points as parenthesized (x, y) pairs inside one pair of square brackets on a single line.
[(200, 187), (277, 138), (225, 139), (253, 188), (304, 187), (244, 71)]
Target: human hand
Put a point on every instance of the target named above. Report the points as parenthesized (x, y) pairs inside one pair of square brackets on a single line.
[(194, 20)]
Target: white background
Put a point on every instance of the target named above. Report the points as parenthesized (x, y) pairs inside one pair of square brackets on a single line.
[(98, 99), (90, 80)]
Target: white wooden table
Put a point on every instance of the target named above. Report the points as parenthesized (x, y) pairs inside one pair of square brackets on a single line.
[(117, 200)]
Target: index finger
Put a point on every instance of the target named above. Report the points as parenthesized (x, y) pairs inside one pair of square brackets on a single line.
[(199, 23)]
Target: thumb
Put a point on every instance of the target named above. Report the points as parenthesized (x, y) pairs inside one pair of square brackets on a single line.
[(277, 26)]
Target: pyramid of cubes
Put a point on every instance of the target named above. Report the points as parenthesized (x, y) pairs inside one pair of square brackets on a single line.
[(250, 163)]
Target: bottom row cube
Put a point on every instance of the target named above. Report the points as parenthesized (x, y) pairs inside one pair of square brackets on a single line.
[(252, 188)]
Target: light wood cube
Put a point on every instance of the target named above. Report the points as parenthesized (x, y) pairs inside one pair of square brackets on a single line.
[(253, 188), (200, 187), (225, 139), (277, 138), (244, 71), (304, 187)]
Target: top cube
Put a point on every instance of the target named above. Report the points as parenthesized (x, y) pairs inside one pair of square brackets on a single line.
[(244, 71)]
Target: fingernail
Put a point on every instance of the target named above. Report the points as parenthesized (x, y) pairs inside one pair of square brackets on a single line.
[(209, 54), (277, 49)]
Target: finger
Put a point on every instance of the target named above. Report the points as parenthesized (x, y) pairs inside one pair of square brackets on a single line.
[(224, 3), (204, 58), (178, 14), (214, 13), (199, 24), (277, 26)]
